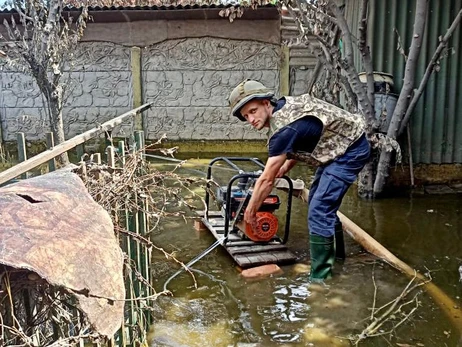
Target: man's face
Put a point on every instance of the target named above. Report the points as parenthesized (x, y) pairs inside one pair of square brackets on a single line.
[(257, 113)]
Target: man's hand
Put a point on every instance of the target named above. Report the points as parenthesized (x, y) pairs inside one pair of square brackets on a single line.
[(250, 217), (262, 188), (285, 168), (282, 171)]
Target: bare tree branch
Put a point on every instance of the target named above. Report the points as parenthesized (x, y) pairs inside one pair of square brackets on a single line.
[(41, 44), (333, 20), (365, 51), (405, 95), (348, 66), (314, 76), (430, 68)]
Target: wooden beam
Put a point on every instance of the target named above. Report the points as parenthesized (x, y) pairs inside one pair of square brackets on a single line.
[(446, 303), (49, 154)]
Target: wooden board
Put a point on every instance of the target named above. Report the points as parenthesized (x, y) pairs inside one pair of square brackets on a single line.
[(49, 154), (247, 253)]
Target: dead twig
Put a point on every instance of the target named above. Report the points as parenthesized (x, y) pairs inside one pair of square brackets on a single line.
[(386, 324), (375, 293)]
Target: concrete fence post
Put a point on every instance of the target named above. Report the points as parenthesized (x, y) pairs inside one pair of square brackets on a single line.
[(284, 71), (135, 57), (22, 155)]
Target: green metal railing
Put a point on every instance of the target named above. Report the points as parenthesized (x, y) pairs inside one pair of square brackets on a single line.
[(137, 316)]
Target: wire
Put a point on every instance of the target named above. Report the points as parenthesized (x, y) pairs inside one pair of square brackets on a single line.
[(195, 164), (195, 260), (163, 158)]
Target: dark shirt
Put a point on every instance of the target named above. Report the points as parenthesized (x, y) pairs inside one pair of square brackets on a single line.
[(301, 135)]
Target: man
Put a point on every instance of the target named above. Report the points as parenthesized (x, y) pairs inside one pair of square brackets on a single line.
[(311, 130)]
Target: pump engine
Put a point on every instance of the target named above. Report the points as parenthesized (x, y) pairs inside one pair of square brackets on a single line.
[(267, 222)]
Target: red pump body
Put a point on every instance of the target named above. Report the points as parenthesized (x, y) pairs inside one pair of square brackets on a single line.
[(267, 222)]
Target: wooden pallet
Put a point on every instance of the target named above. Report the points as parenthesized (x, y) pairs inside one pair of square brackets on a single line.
[(247, 253)]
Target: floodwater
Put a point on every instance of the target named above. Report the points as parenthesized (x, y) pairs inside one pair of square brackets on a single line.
[(221, 308)]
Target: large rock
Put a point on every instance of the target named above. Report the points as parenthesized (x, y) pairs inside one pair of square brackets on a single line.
[(51, 226)]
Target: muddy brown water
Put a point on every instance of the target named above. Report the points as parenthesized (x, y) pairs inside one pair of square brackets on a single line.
[(220, 308)]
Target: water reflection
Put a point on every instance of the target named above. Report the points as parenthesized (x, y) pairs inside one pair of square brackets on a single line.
[(289, 305), (285, 310)]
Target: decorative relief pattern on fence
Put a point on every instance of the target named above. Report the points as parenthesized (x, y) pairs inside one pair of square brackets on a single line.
[(211, 54), (189, 81), (98, 88)]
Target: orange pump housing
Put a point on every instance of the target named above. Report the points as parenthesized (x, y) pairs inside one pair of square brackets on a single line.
[(267, 227)]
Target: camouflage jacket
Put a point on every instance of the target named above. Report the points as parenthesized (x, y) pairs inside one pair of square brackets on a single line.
[(340, 128)]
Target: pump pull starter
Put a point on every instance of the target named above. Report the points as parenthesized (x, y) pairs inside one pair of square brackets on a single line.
[(266, 222)]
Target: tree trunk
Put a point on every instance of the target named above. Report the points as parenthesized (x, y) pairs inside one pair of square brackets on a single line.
[(349, 68), (366, 180), (405, 95), (57, 126), (364, 98), (365, 51), (429, 70)]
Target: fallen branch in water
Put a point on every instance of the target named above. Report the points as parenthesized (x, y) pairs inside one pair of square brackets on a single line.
[(386, 324), (447, 304)]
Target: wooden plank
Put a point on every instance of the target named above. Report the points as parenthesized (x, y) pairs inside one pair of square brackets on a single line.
[(217, 222), (285, 257), (242, 243), (218, 228), (255, 249), (248, 260), (212, 214), (234, 238), (255, 259), (210, 227), (243, 261), (218, 234), (67, 145), (270, 257), (247, 253)]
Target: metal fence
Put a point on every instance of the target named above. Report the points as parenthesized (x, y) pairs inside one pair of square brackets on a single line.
[(131, 217)]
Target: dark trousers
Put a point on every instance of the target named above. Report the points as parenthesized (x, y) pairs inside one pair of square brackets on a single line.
[(330, 184)]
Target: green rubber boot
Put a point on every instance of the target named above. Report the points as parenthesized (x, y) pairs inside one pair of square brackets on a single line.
[(339, 243), (322, 257)]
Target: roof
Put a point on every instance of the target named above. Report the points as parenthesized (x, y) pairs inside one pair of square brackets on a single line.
[(138, 13)]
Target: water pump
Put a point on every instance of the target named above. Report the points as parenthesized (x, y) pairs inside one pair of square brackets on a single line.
[(267, 222)]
